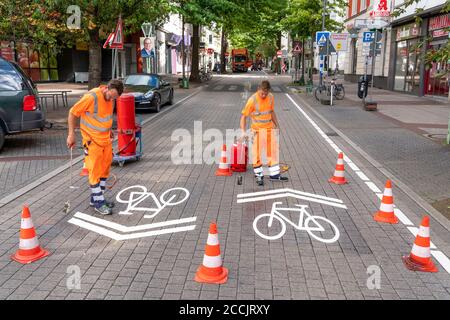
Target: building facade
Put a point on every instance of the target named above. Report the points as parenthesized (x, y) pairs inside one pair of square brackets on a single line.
[(400, 65)]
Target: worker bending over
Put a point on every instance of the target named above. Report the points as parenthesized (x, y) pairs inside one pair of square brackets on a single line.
[(95, 110), (264, 124)]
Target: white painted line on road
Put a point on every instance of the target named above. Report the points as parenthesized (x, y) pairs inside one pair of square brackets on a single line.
[(362, 176), (402, 217), (118, 237), (125, 229), (352, 165), (232, 88), (288, 194), (287, 190), (442, 259), (219, 87), (373, 187)]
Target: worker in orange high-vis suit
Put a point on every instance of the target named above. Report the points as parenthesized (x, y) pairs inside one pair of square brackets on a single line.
[(95, 110), (264, 125)]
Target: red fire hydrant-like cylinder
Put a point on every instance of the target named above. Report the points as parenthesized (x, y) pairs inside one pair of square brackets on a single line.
[(126, 125)]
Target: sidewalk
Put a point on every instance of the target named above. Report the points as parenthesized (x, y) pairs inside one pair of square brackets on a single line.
[(58, 116), (406, 135)]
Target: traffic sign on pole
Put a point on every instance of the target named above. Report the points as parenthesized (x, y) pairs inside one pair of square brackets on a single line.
[(117, 40), (339, 41), (322, 37), (368, 36)]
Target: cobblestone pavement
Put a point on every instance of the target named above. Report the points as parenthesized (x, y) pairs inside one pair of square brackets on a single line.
[(31, 155), (295, 266), (405, 135)]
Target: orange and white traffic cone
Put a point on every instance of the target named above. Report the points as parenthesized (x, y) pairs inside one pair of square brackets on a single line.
[(338, 176), (420, 256), (84, 171), (386, 212), (224, 167), (211, 270), (29, 249)]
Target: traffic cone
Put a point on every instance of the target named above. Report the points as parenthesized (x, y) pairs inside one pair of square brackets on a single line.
[(386, 212), (224, 166), (29, 249), (211, 270), (338, 176), (84, 171), (420, 257)]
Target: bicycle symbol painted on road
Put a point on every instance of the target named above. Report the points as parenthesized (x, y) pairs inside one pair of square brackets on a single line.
[(318, 227), (136, 198)]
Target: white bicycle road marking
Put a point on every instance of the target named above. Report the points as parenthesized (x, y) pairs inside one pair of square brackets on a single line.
[(303, 224), (283, 193), (137, 197), (438, 255)]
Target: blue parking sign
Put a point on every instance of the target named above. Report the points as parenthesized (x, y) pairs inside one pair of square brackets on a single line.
[(368, 36)]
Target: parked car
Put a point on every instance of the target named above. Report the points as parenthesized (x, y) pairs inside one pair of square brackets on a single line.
[(19, 103), (150, 91)]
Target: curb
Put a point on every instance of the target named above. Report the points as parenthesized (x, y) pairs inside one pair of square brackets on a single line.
[(443, 221)]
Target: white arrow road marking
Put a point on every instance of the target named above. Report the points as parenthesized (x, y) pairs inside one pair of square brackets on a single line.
[(122, 228), (285, 190), (118, 237)]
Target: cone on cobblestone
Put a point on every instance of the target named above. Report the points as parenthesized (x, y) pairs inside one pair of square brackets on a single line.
[(84, 171), (420, 256), (211, 270), (338, 177), (224, 167), (386, 212), (29, 249)]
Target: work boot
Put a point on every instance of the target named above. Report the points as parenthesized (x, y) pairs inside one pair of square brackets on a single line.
[(279, 177), (260, 181), (109, 204), (104, 210)]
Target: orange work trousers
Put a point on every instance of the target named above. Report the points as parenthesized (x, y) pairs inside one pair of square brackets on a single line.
[(98, 161), (265, 143)]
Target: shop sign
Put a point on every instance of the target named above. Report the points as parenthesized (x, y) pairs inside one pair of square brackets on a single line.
[(380, 9), (440, 33), (408, 31), (439, 22)]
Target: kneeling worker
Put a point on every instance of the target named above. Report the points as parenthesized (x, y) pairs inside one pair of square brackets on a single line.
[(260, 108), (95, 109)]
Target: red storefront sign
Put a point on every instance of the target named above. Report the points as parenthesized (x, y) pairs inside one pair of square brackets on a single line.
[(439, 22)]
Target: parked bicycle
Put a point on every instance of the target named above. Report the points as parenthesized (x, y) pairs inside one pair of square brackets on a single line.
[(337, 90), (205, 75)]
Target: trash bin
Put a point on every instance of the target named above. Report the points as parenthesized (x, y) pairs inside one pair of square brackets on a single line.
[(185, 83), (363, 86)]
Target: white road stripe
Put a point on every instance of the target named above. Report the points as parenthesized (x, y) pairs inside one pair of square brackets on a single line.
[(352, 165), (373, 187), (232, 88), (259, 193), (121, 228), (118, 237), (362, 176), (440, 257), (219, 87), (285, 195)]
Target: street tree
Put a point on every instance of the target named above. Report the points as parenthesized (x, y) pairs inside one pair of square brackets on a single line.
[(44, 23)]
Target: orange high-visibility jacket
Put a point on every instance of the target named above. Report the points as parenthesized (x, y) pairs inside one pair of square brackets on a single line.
[(260, 111), (96, 116)]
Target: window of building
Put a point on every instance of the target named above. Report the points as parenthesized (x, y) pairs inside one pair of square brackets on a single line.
[(363, 5), (354, 7), (210, 39)]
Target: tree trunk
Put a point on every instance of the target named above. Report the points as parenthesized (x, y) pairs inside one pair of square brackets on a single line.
[(223, 49), (195, 56), (95, 59)]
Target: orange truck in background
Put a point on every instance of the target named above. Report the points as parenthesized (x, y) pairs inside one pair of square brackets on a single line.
[(240, 60)]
